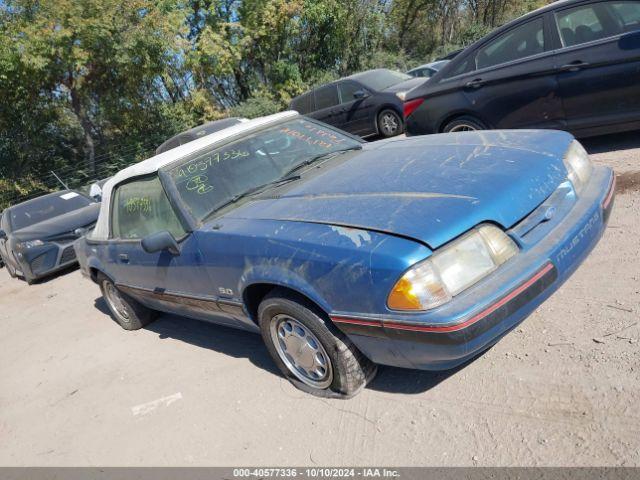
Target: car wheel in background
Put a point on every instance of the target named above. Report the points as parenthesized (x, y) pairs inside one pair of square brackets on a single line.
[(390, 123), (309, 350), (464, 124), (129, 313)]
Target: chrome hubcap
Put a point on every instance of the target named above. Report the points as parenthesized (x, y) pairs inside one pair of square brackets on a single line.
[(389, 123), (301, 351), (115, 302), (463, 128)]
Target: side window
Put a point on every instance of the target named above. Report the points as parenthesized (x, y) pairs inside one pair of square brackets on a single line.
[(141, 208), (302, 104), (347, 91), (326, 97), (586, 23), (520, 42), (467, 65), (423, 72), (627, 13)]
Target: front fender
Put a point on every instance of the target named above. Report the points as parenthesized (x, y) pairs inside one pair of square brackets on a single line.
[(338, 268), (282, 277)]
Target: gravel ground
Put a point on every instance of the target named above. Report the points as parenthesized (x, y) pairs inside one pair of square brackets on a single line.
[(562, 389)]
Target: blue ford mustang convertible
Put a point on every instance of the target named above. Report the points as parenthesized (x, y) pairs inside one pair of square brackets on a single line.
[(418, 253)]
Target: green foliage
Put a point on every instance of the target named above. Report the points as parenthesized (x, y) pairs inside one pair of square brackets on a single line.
[(256, 107), (90, 86)]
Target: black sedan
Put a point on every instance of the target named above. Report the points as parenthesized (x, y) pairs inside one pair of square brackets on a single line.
[(572, 65), (36, 236), (364, 104)]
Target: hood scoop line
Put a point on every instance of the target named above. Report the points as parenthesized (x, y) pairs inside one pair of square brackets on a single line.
[(412, 195)]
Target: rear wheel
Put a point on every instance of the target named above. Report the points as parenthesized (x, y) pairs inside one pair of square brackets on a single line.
[(309, 350), (128, 312), (464, 124), (389, 123)]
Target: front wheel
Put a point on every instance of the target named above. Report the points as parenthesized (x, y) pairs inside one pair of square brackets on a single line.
[(309, 350), (390, 124), (129, 313)]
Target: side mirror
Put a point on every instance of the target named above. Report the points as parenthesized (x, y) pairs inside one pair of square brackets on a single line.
[(160, 241), (359, 94), (95, 192), (630, 41), (3, 235)]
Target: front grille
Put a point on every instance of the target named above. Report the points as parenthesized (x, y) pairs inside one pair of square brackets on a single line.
[(37, 263), (537, 224), (68, 254)]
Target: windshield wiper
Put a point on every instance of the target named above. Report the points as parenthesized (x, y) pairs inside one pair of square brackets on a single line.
[(322, 156), (253, 191)]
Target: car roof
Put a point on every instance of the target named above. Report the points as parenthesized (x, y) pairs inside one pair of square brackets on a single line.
[(197, 132), (155, 163), (433, 65), (367, 74), (551, 6)]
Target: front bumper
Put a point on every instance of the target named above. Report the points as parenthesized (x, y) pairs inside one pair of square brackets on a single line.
[(44, 260), (479, 317)]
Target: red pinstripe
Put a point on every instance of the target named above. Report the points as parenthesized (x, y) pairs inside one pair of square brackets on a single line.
[(459, 326), (612, 189)]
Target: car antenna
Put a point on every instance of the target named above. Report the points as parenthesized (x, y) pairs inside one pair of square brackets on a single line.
[(58, 178)]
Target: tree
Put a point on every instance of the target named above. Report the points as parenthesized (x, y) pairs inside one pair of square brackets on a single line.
[(94, 58)]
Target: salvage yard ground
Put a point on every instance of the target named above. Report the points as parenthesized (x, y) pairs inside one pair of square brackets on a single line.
[(561, 389)]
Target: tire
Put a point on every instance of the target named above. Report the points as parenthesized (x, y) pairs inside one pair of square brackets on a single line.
[(317, 345), (128, 312), (11, 270), (390, 123), (464, 124)]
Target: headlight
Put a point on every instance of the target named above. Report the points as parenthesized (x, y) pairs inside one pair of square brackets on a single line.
[(452, 269), (29, 244), (578, 165)]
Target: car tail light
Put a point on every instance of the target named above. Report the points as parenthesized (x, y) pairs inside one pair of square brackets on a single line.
[(411, 105)]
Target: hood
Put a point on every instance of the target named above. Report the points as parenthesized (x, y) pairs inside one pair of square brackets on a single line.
[(430, 189), (60, 227), (406, 85)]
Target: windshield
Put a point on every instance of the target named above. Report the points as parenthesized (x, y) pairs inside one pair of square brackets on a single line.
[(44, 208), (382, 79), (214, 178)]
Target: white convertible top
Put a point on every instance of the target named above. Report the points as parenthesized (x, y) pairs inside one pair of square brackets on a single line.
[(153, 164)]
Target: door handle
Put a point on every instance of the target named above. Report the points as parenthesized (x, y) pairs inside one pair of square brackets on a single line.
[(475, 83), (573, 66), (123, 257)]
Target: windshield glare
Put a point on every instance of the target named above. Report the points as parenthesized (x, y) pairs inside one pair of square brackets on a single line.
[(213, 178), (44, 208)]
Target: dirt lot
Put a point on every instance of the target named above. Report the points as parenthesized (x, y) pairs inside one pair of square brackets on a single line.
[(562, 389)]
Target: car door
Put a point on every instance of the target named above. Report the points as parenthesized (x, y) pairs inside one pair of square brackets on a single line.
[(160, 280), (512, 83), (598, 63), (356, 108), (327, 105)]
